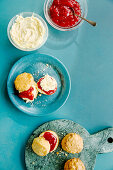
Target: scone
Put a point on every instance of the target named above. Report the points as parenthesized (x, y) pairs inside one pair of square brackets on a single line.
[(72, 143), (74, 164), (47, 142), (53, 139), (47, 85), (26, 87), (41, 146)]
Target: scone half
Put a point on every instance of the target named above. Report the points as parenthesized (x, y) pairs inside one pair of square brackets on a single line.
[(53, 139), (26, 87), (41, 146), (47, 85)]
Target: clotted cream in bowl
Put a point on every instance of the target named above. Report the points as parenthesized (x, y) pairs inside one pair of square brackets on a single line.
[(27, 31)]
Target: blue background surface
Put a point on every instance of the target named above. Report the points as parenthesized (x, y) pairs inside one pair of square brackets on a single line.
[(88, 55)]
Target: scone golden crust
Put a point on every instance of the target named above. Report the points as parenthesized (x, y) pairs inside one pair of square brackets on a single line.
[(72, 143), (57, 142), (23, 82), (74, 164), (41, 146)]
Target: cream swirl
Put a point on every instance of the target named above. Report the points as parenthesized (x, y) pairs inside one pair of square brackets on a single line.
[(27, 32)]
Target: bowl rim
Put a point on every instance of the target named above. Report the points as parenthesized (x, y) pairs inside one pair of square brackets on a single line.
[(39, 114), (11, 23), (63, 28)]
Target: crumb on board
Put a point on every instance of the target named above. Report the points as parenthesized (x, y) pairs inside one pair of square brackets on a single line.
[(33, 162), (43, 105), (43, 70), (66, 154), (40, 94), (57, 153)]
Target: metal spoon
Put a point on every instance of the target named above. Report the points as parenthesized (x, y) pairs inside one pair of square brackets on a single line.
[(90, 22)]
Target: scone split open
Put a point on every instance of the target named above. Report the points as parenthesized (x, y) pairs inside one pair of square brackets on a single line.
[(47, 142), (53, 139)]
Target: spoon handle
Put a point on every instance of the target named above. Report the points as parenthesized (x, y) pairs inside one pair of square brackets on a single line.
[(90, 22)]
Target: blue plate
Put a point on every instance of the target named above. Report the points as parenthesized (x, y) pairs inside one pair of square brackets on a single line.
[(39, 65)]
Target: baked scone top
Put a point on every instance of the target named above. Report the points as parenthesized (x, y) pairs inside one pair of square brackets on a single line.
[(23, 82), (74, 164), (41, 146), (72, 143)]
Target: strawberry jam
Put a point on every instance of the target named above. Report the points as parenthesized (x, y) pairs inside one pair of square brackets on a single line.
[(52, 140), (50, 92), (27, 94), (62, 12)]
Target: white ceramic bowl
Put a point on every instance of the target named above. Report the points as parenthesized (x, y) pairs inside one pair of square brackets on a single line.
[(27, 14), (84, 9)]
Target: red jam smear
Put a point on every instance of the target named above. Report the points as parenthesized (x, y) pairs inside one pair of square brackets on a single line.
[(62, 12), (27, 94), (52, 140), (50, 92)]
